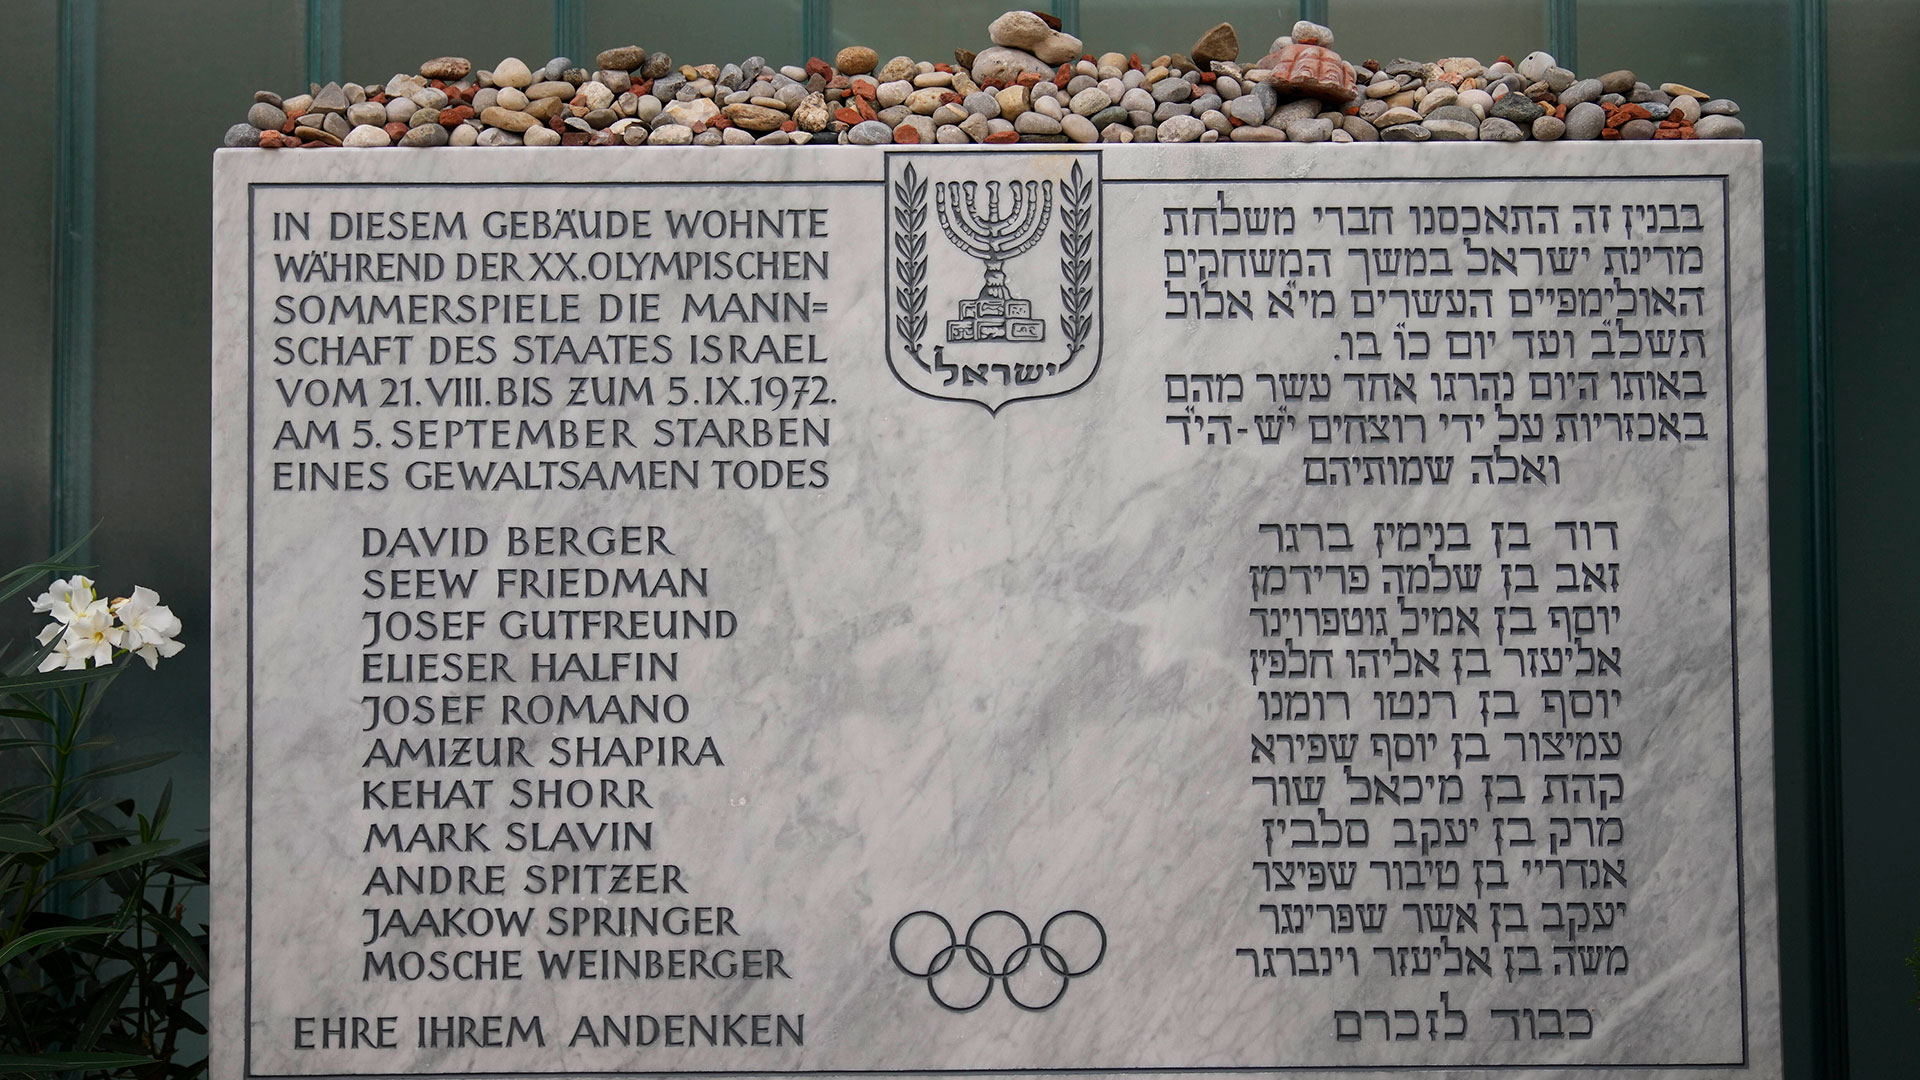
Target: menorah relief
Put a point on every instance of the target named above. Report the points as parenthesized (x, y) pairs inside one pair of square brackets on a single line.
[(996, 239), (994, 208)]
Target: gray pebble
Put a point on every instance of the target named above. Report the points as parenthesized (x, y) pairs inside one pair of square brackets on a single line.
[(241, 135), (425, 135), (1405, 133), (1113, 114), (1447, 130), (1303, 109), (1178, 129), (1516, 108), (1172, 90), (1499, 129), (1656, 110), (1618, 82), (1454, 112), (1585, 121), (1033, 123), (1309, 131), (1089, 101), (1170, 109), (1638, 130), (1584, 90), (1719, 126), (870, 133), (557, 66), (1548, 128), (1247, 109), (1359, 129), (265, 117), (1720, 107), (367, 113)]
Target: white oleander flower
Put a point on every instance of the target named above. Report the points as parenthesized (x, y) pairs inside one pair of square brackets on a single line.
[(150, 627), (91, 636), (67, 600)]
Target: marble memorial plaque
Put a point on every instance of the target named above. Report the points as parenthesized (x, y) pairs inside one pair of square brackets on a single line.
[(1135, 609)]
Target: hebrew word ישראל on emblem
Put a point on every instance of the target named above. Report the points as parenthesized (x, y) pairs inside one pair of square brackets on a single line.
[(993, 274)]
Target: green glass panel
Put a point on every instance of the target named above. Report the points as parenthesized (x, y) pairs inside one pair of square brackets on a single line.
[(379, 39), (1483, 29), (1872, 292), (27, 53), (152, 373), (720, 32), (1725, 48), (1156, 29), (929, 33)]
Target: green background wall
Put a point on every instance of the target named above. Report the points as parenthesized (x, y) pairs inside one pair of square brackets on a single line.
[(113, 108)]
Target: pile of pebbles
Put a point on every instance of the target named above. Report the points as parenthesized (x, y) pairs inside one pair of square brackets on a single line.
[(1034, 83)]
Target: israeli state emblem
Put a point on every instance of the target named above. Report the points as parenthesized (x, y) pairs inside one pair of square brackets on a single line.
[(993, 273)]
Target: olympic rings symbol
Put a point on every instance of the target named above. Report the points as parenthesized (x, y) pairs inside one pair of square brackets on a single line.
[(1062, 952)]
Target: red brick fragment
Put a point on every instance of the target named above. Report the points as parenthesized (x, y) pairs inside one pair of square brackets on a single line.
[(906, 134), (848, 116), (396, 131), (1000, 137)]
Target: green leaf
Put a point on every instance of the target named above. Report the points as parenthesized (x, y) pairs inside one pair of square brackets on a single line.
[(41, 1064), (22, 838), (133, 764), (51, 934), (161, 808), (117, 859), (54, 680), (106, 1005), (14, 582), (23, 744), (183, 944)]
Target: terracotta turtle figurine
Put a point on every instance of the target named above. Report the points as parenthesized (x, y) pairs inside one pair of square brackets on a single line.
[(1304, 64)]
